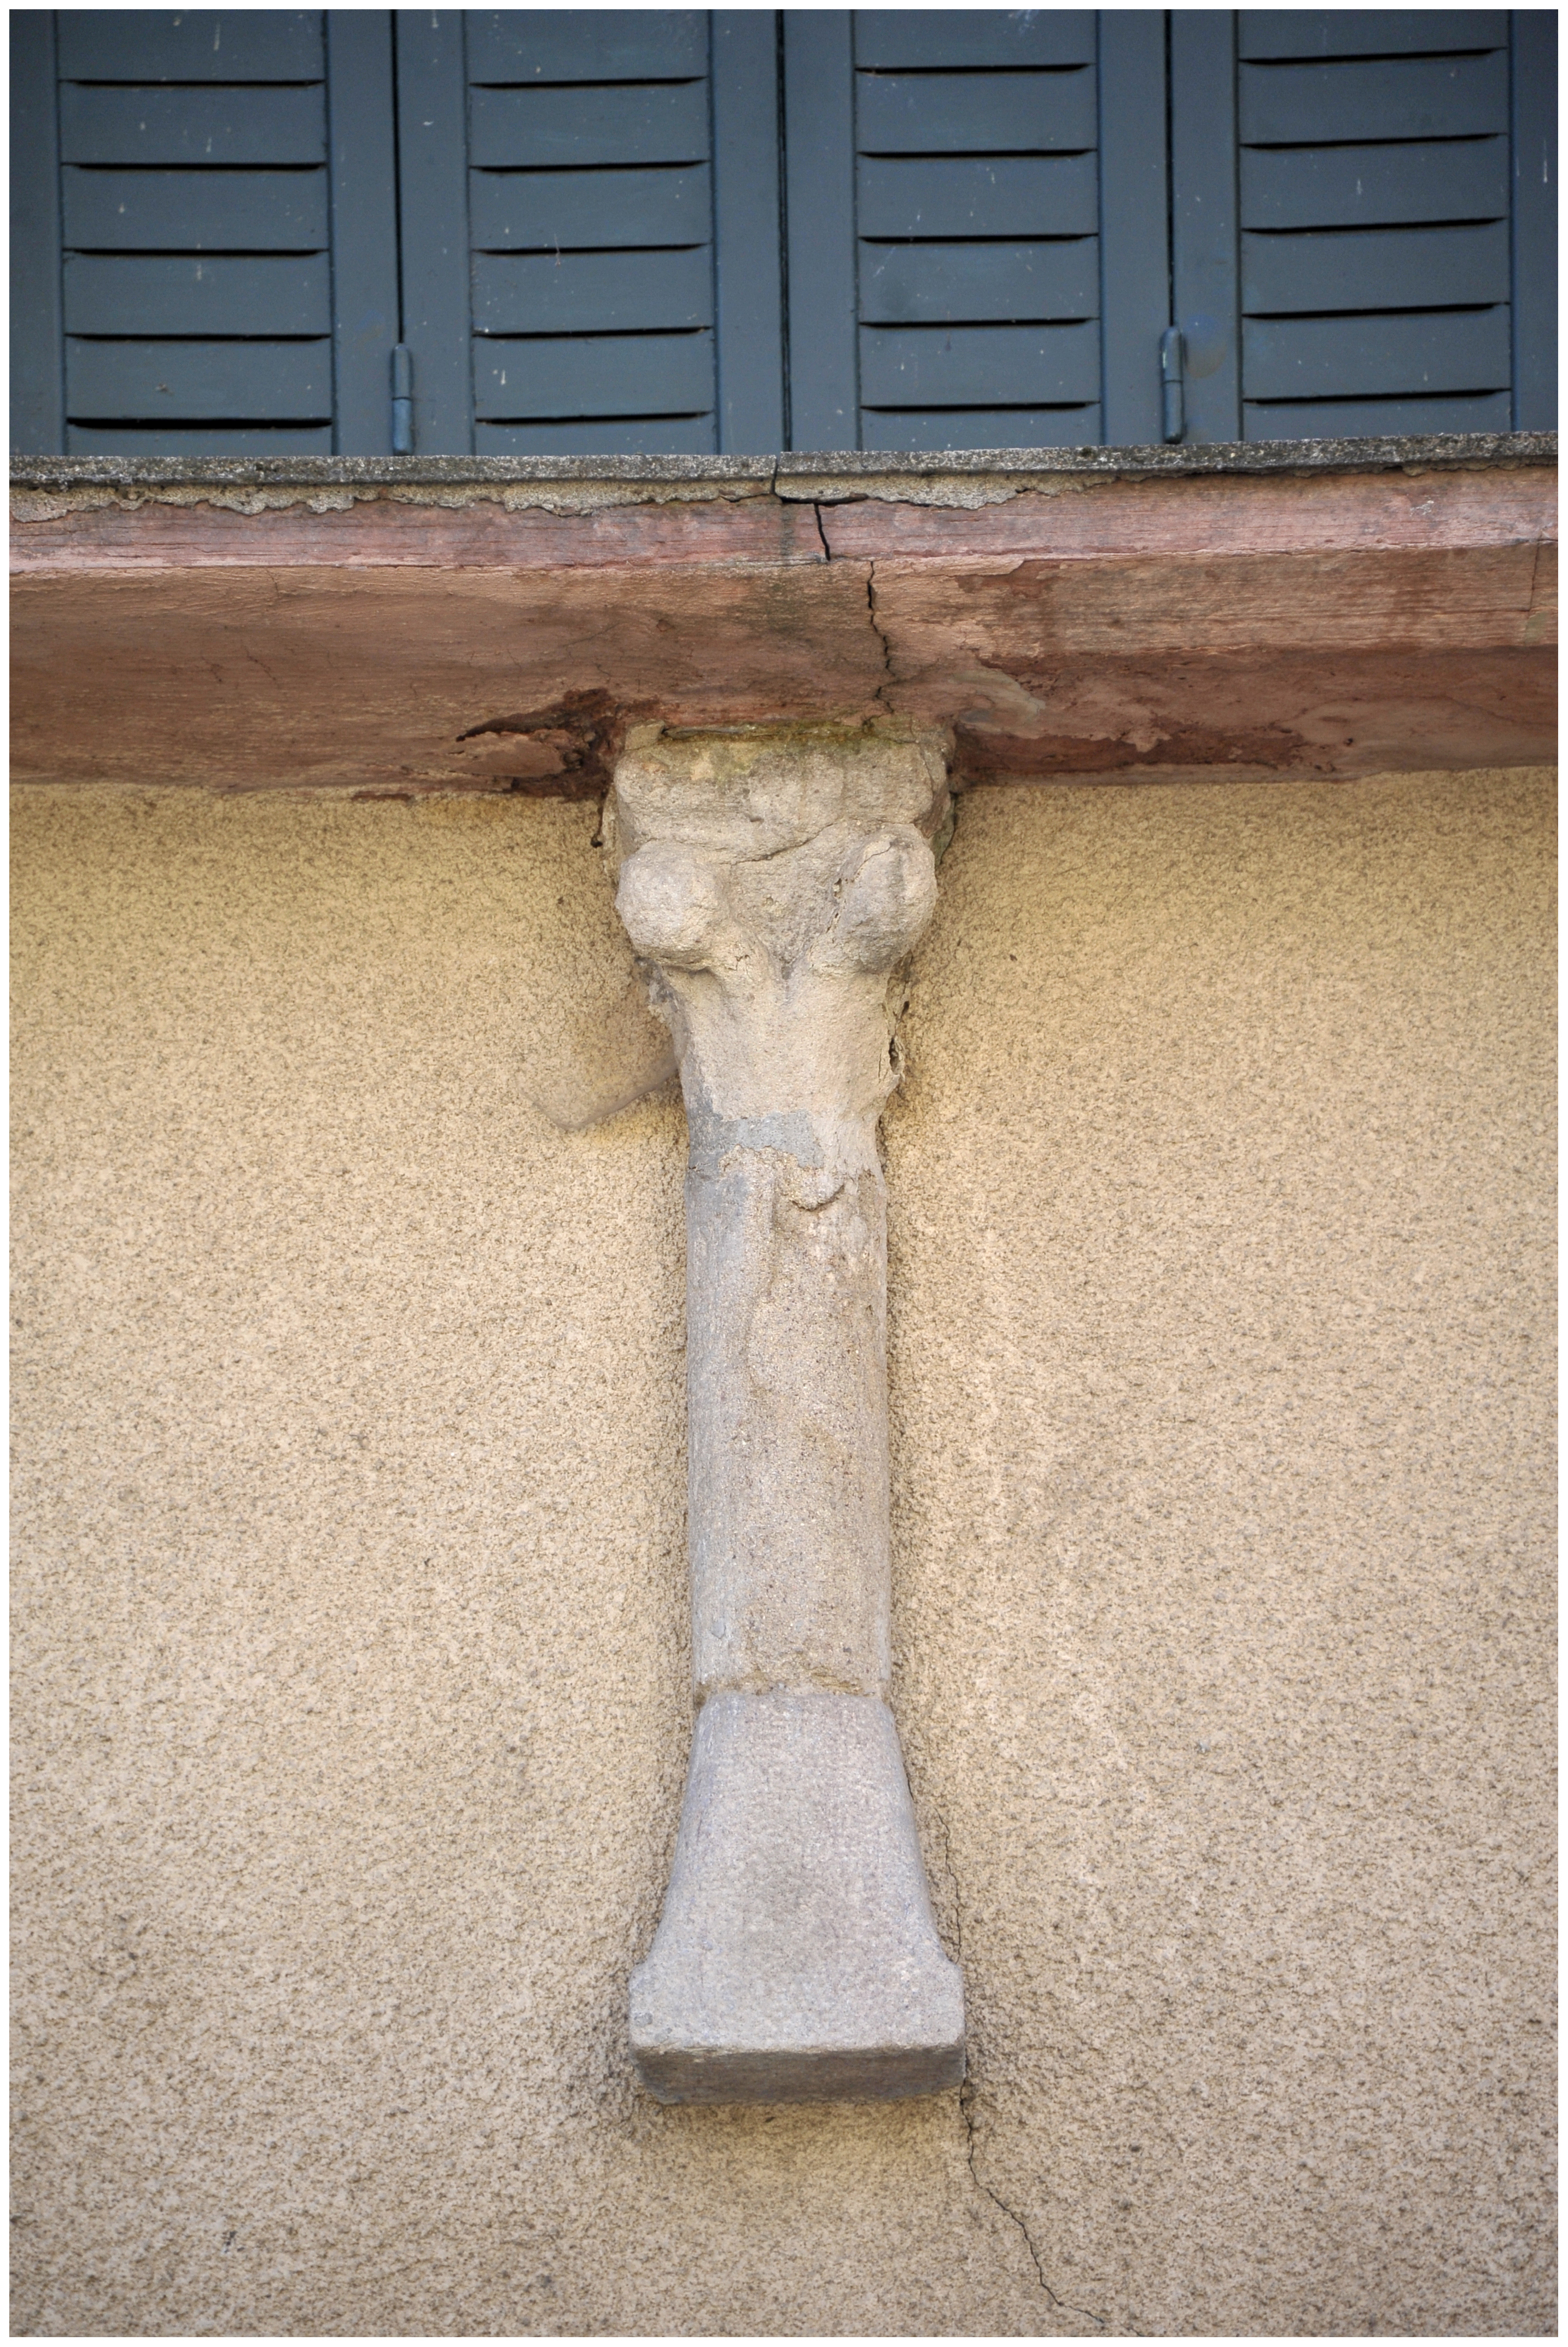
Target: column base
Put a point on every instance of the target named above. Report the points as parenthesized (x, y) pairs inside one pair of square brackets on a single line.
[(797, 1959)]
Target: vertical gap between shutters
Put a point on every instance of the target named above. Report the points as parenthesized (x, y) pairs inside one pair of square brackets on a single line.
[(787, 437), (714, 167), (396, 187)]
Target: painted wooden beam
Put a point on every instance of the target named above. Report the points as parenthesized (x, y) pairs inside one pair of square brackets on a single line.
[(358, 627)]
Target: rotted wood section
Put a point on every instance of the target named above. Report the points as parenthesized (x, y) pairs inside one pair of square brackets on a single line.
[(403, 635)]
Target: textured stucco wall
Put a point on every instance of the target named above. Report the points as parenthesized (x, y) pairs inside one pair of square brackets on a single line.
[(351, 1697)]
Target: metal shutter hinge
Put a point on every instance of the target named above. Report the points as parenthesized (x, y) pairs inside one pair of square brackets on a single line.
[(402, 400), (1173, 416)]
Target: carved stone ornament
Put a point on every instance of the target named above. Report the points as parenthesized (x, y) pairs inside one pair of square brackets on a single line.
[(772, 880)]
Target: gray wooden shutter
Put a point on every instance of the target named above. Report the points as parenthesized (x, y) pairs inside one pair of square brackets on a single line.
[(961, 270), (583, 227), (978, 218), (206, 260), (591, 229), (1355, 247), (195, 206), (590, 256)]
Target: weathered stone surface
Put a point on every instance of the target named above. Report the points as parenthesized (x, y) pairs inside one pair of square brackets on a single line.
[(798, 1960), (772, 881), (596, 1060)]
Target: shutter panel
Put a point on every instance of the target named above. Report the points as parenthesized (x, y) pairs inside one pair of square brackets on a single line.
[(976, 251), (977, 226), (591, 233), (37, 385), (195, 225), (1374, 244), (1354, 247)]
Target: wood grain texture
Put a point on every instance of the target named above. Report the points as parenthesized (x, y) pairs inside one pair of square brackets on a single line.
[(245, 678), (1204, 604), (1336, 715), (1336, 625), (1283, 515)]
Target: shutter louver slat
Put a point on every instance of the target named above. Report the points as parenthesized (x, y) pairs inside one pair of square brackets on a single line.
[(974, 113), (572, 376), (888, 40), (190, 382), (1347, 419), (1374, 187), (1392, 98), (516, 46), (201, 127), (1008, 196), (901, 430), (1354, 268), (560, 211), (108, 45), (164, 294), (1367, 32), (981, 366), (526, 129), (591, 232), (1373, 357), (962, 283), (620, 435), (195, 211), (591, 293)]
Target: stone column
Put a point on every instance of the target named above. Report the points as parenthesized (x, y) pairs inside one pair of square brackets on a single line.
[(772, 880)]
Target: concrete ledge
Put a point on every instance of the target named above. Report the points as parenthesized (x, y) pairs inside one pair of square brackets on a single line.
[(823, 471)]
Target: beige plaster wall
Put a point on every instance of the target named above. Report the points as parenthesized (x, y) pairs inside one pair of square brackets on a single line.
[(349, 1658)]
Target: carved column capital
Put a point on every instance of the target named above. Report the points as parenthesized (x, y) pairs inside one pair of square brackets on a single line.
[(770, 880)]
